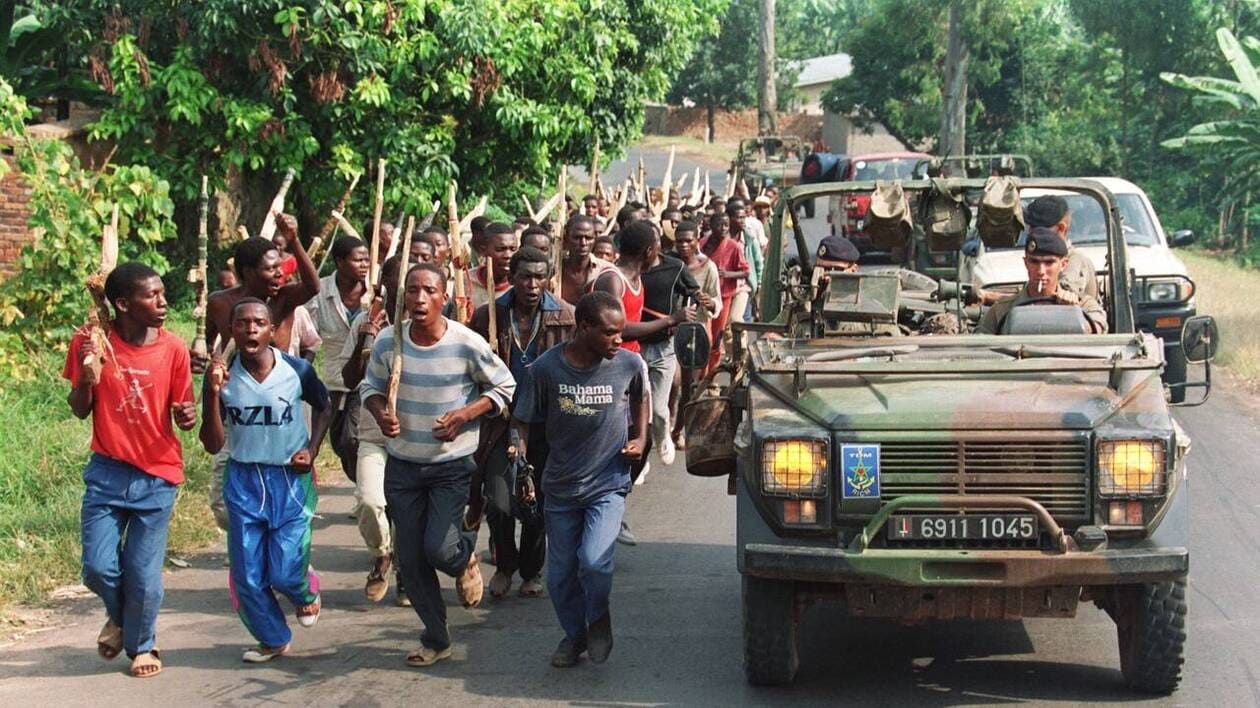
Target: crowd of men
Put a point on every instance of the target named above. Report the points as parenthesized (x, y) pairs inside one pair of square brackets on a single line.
[(542, 411)]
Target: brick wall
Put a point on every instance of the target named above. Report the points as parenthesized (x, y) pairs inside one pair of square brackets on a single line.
[(14, 195)]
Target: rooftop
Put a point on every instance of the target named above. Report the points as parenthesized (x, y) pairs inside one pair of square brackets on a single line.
[(824, 70)]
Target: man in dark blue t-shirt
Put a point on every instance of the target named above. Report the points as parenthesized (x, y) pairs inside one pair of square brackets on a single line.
[(583, 392)]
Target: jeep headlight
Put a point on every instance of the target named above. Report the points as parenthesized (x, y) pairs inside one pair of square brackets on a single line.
[(1131, 467), (1173, 290), (794, 467)]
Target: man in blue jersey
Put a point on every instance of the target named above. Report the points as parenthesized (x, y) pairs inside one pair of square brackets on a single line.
[(255, 403), (448, 380)]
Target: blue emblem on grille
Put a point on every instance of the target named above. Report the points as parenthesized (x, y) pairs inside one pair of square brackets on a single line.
[(859, 471)]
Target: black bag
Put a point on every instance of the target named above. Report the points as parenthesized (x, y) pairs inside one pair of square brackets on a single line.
[(524, 504)]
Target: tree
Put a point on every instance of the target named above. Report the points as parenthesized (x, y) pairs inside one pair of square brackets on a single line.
[(1232, 140), (767, 103), (28, 48), (814, 28), (497, 95), (721, 73), (953, 136)]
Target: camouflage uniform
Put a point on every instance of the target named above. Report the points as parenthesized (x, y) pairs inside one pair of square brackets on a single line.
[(991, 322)]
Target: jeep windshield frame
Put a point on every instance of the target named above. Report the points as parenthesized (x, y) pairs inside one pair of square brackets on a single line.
[(1119, 304)]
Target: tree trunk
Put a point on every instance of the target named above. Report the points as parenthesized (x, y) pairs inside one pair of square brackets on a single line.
[(710, 133), (953, 137), (767, 100), (1242, 245)]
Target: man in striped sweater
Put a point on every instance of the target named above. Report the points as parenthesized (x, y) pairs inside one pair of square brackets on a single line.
[(450, 378)]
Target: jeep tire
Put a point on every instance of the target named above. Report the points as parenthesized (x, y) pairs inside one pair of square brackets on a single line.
[(770, 655), (1151, 627)]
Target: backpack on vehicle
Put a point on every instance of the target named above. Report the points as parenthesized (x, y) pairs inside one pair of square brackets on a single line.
[(1001, 217), (890, 223), (945, 218)]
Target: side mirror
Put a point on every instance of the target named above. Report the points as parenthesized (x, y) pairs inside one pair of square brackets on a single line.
[(1199, 339), (691, 345), (1183, 237)]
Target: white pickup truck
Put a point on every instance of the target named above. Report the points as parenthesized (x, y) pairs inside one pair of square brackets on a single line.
[(1163, 291)]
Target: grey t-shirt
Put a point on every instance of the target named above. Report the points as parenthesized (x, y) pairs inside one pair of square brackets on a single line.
[(586, 414)]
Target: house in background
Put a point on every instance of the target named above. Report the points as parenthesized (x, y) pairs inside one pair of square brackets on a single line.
[(815, 77)]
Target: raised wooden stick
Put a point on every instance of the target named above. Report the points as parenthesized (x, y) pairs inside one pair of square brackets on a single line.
[(329, 230), (460, 256), (529, 208), (199, 275), (594, 175), (98, 316), (400, 327), (557, 247), (277, 206), (465, 223), (667, 183), (374, 271)]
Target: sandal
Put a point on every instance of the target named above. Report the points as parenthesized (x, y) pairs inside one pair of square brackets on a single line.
[(262, 654), (147, 664), (468, 585), (425, 656), (109, 643)]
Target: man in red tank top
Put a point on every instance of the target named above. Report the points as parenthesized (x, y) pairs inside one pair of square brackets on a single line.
[(639, 246)]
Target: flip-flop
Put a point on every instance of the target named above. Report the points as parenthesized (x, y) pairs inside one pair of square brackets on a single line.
[(109, 643), (141, 665), (425, 656)]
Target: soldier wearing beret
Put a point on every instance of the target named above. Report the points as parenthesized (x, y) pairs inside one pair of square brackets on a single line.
[(1045, 257), (1051, 211)]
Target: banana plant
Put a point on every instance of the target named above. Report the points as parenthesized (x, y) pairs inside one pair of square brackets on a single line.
[(1233, 141), (28, 49)]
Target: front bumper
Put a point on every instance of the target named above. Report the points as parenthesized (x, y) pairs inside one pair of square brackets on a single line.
[(944, 568)]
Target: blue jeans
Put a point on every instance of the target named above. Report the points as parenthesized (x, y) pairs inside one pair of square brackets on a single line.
[(124, 524), (580, 543)]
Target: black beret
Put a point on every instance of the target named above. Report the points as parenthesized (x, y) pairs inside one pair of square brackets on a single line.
[(838, 248), (1045, 242), (1047, 210)]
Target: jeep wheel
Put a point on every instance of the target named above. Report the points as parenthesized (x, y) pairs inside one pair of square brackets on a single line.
[(770, 657), (1175, 373), (1151, 626)]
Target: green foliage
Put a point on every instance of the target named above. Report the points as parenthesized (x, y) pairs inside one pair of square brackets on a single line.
[(814, 28), (27, 47), (497, 95), (722, 72), (69, 208)]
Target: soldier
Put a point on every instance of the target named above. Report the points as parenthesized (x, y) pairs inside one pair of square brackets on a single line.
[(1051, 211), (1045, 256)]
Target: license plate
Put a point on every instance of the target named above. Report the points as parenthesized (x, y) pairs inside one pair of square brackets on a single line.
[(953, 527)]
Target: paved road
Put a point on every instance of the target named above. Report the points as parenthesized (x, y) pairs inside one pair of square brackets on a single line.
[(654, 162), (676, 609)]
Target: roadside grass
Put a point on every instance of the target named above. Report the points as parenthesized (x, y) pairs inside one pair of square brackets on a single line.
[(1226, 290), (43, 449), (718, 153)]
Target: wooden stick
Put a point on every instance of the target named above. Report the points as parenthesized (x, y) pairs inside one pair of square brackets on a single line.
[(557, 247), (201, 277), (641, 183), (98, 319), (682, 185), (374, 273), (529, 208), (400, 327), (330, 224), (547, 207), (667, 183), (466, 223), (427, 221), (242, 232), (594, 174), (460, 257), (277, 206)]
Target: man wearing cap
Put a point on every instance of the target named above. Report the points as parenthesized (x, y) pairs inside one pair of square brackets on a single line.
[(1045, 257), (837, 253), (1051, 211)]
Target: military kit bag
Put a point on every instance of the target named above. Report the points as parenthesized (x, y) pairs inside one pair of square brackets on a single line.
[(1001, 217), (945, 218), (889, 217)]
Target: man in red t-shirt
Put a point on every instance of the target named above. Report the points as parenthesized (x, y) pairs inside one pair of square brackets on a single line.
[(728, 255), (133, 390)]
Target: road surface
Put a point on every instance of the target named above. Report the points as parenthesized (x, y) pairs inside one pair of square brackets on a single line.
[(677, 624)]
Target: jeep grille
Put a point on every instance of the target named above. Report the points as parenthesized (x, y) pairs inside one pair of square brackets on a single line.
[(1054, 473)]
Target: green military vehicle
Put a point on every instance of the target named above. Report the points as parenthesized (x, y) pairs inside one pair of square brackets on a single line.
[(951, 476), (768, 161)]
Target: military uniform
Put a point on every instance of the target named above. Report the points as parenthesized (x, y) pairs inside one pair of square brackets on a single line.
[(991, 322), (1079, 274)]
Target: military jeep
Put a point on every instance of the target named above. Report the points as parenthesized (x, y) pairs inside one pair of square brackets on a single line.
[(916, 477)]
